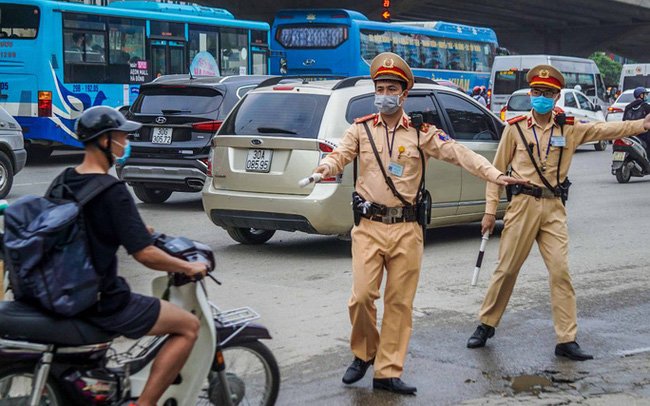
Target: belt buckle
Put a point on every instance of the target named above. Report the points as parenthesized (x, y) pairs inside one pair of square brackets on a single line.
[(394, 211)]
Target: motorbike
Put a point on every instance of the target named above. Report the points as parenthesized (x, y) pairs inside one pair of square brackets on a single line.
[(630, 158), (55, 361)]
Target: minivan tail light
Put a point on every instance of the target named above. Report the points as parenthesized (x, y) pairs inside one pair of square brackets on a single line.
[(209, 126), (45, 104), (615, 110), (283, 88), (325, 148), (489, 99), (623, 141), (503, 113)]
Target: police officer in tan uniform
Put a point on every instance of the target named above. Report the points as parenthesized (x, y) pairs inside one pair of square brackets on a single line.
[(536, 211), (388, 234)]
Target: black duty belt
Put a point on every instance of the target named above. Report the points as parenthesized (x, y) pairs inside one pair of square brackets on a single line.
[(537, 192), (392, 215)]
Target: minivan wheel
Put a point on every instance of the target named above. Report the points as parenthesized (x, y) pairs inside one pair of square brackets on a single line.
[(600, 145), (250, 235), (6, 175), (149, 195)]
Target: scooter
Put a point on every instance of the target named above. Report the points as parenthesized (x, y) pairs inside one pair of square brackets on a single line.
[(630, 158), (48, 360)]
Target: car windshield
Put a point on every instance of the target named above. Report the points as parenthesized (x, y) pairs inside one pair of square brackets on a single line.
[(177, 100), (280, 114), (625, 98), (520, 102)]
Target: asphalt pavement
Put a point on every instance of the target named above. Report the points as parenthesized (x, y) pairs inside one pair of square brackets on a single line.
[(301, 286)]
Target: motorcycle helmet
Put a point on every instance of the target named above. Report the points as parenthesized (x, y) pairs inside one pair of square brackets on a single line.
[(639, 91), (476, 90), (98, 120)]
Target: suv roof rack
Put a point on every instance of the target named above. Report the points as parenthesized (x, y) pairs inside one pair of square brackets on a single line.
[(349, 82), (275, 80)]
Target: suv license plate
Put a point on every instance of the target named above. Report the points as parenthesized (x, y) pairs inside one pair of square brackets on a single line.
[(259, 160), (619, 156), (161, 135)]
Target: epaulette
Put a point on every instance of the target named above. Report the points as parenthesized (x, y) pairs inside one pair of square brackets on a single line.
[(570, 120), (364, 118), (516, 119), (424, 127)]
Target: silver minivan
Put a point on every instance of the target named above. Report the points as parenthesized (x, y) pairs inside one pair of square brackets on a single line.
[(278, 133), (12, 151)]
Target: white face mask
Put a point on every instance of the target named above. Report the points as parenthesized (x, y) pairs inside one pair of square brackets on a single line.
[(387, 103)]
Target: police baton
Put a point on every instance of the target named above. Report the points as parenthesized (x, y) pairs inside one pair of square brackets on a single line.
[(315, 178), (479, 261)]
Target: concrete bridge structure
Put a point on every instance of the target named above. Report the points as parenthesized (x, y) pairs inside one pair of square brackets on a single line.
[(565, 27)]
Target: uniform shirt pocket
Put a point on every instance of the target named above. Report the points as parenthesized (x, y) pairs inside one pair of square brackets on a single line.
[(367, 159)]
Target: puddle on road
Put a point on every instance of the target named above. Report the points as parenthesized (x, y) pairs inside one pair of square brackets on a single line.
[(534, 384)]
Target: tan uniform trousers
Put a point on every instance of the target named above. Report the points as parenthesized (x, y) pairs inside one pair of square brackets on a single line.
[(398, 248), (528, 219)]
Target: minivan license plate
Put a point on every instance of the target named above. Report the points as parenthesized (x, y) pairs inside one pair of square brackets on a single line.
[(259, 160), (619, 156), (161, 135)]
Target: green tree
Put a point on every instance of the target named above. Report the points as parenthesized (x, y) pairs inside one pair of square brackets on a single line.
[(610, 70)]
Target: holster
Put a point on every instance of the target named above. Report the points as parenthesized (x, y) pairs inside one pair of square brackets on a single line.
[(513, 190), (356, 210), (424, 209), (564, 190)]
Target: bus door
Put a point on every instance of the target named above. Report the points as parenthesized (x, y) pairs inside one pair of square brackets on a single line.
[(168, 57)]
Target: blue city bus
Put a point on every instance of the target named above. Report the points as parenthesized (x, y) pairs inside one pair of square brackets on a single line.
[(59, 58), (344, 42)]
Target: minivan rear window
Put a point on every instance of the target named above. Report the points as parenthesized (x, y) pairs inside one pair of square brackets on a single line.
[(170, 100), (520, 102), (19, 21), (277, 114)]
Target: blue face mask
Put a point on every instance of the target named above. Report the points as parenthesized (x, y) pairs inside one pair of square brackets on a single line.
[(127, 152), (542, 104)]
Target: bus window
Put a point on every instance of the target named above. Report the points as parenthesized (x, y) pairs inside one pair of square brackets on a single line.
[(374, 43), (632, 82), (408, 48), (433, 56), (204, 39), (126, 44), (234, 51), (312, 36), (601, 92), (84, 48), (19, 21)]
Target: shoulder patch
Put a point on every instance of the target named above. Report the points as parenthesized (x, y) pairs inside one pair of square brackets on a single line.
[(570, 120), (364, 118), (516, 119), (443, 136)]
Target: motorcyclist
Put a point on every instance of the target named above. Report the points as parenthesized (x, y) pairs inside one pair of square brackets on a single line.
[(112, 220), (639, 108), (476, 95)]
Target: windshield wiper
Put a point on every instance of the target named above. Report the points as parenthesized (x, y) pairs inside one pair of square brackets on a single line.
[(275, 130), (171, 111)]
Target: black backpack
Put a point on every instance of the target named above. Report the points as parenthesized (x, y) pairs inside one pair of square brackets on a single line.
[(636, 113), (46, 247)]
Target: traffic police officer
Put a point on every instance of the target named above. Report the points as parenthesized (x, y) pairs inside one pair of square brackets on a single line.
[(391, 241), (537, 213)]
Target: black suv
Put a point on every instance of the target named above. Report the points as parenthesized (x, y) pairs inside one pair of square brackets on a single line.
[(180, 114)]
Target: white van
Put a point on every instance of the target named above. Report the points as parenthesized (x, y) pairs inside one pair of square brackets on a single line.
[(635, 75), (509, 74)]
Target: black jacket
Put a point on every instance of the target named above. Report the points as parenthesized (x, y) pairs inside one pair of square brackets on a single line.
[(636, 110)]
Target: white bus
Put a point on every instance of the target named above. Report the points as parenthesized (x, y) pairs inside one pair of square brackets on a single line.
[(635, 75), (509, 74)]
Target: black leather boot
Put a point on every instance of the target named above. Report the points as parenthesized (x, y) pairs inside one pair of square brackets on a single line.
[(395, 385), (480, 336), (356, 370), (572, 350)]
